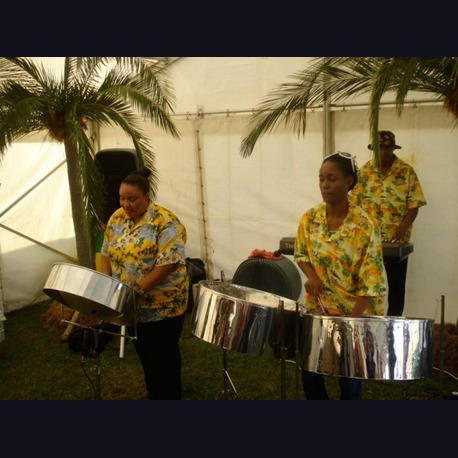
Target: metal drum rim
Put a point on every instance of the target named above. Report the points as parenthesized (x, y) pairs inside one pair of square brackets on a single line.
[(88, 269), (247, 288), (372, 318)]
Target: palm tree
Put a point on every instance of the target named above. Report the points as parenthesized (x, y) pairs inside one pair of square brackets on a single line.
[(111, 91), (338, 78)]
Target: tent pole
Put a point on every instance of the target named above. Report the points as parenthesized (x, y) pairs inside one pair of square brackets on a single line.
[(201, 195), (2, 314), (327, 123), (71, 258)]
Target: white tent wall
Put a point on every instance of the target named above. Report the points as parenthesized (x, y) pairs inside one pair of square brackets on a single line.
[(36, 227), (254, 202), (231, 205)]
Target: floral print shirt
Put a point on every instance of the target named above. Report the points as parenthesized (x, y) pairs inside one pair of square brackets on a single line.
[(349, 261), (158, 239), (388, 198)]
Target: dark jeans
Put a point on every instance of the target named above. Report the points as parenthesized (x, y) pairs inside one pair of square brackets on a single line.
[(157, 346), (396, 273), (315, 388)]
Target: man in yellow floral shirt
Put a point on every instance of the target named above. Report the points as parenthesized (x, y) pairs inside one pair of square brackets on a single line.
[(391, 195)]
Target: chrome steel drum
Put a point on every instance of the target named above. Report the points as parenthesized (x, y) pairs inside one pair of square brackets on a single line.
[(372, 347), (92, 293), (244, 319)]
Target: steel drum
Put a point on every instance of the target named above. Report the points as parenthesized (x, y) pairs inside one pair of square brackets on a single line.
[(93, 293), (372, 347), (245, 319)]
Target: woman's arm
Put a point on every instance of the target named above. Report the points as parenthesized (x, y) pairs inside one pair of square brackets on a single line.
[(155, 276), (106, 265), (408, 220), (362, 302), (313, 285)]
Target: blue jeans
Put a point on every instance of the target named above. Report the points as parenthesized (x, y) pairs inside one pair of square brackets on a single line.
[(315, 388)]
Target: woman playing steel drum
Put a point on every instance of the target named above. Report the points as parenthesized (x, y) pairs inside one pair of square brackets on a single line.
[(144, 244), (339, 250)]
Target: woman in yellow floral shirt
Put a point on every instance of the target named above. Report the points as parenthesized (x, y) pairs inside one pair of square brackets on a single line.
[(339, 250), (144, 246)]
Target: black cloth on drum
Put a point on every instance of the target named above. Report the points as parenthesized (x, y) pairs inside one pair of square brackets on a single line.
[(280, 277), (196, 273)]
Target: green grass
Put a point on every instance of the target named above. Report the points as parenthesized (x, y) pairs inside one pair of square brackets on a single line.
[(36, 365)]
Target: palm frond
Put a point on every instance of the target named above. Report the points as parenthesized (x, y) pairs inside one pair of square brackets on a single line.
[(108, 110), (113, 91), (20, 113), (32, 75), (339, 78), (93, 197), (140, 96)]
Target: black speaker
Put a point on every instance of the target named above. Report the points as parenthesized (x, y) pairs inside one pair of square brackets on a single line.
[(114, 164)]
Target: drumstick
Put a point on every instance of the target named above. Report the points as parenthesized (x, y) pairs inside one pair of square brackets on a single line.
[(70, 327), (323, 309)]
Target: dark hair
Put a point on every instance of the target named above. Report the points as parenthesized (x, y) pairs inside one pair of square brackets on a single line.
[(138, 178), (346, 163)]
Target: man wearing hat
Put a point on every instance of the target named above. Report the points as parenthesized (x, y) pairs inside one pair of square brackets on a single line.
[(391, 195)]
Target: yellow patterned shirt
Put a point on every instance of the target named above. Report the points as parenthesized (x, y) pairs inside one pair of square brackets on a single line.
[(387, 198), (159, 239), (349, 261)]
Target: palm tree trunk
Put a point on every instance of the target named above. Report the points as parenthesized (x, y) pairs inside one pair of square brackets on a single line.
[(83, 242)]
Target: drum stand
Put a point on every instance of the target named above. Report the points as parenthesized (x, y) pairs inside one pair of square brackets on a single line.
[(97, 391), (297, 352), (283, 349), (96, 352), (227, 378), (283, 354)]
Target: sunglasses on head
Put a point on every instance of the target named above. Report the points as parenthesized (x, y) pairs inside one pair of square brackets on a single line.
[(347, 156)]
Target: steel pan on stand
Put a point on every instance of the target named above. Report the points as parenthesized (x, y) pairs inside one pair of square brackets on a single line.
[(96, 295), (93, 293), (369, 347), (245, 320)]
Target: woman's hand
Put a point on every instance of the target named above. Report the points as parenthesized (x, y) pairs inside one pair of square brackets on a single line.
[(313, 286), (157, 275), (139, 289)]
